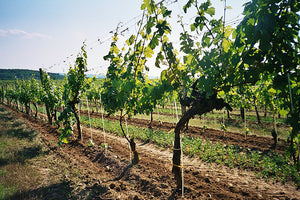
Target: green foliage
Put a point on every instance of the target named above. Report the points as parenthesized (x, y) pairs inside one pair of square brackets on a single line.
[(269, 36), (23, 95), (126, 87), (209, 59), (223, 127), (263, 47), (24, 91), (76, 84), (268, 166), (93, 93), (68, 120), (50, 95)]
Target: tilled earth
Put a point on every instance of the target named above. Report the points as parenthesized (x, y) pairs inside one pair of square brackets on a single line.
[(109, 175)]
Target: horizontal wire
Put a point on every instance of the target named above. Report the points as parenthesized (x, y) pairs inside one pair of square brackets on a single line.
[(107, 36)]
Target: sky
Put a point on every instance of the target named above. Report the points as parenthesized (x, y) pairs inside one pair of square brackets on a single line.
[(48, 34)]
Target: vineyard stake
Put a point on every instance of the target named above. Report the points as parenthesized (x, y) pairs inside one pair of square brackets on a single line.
[(128, 137), (102, 112), (224, 121), (91, 140), (44, 108), (175, 108), (79, 105), (245, 129), (290, 91), (182, 171)]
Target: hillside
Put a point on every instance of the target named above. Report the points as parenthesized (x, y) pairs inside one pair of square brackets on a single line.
[(11, 74)]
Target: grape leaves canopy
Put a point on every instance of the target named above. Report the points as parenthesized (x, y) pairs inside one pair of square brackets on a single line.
[(265, 46), (50, 95), (269, 35), (75, 85)]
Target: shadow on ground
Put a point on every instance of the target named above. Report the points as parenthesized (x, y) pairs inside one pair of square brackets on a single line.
[(15, 129), (20, 133), (22, 155), (55, 191), (61, 191)]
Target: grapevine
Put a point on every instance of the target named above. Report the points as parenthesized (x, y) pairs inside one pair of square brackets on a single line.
[(75, 85)]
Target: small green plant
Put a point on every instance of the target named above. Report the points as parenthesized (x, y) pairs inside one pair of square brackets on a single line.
[(246, 133), (91, 143), (223, 127), (104, 145)]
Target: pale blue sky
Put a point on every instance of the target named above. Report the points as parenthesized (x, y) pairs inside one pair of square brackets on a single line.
[(43, 33)]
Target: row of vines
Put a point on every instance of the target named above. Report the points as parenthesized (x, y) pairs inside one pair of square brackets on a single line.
[(255, 65)]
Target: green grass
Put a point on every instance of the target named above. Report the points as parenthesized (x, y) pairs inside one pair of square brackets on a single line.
[(27, 170), (266, 165), (17, 146)]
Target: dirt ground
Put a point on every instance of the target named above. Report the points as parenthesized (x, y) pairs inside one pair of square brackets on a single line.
[(109, 175)]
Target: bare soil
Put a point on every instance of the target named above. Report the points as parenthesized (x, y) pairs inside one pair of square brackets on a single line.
[(111, 176)]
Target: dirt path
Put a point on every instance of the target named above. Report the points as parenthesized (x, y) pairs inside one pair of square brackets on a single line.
[(110, 176)]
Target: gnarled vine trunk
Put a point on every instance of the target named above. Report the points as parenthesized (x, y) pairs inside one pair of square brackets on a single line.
[(47, 106), (78, 125), (257, 114), (132, 144), (256, 110), (242, 111), (151, 120), (36, 110), (73, 104), (199, 106)]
